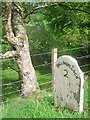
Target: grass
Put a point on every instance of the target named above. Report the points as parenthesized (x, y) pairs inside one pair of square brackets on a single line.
[(40, 107), (9, 76)]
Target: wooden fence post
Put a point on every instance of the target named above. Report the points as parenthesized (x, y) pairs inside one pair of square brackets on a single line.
[(53, 59)]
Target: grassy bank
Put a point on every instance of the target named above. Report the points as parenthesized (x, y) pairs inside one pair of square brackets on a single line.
[(40, 107)]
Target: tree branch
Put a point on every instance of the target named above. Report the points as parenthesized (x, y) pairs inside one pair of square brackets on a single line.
[(8, 27), (33, 11), (8, 54), (19, 9), (73, 8)]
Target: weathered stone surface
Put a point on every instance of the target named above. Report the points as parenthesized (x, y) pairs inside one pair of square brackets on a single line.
[(68, 84)]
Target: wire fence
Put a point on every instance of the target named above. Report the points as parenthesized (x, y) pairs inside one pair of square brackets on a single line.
[(10, 87)]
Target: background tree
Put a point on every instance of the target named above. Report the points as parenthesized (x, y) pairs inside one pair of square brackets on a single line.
[(61, 25)]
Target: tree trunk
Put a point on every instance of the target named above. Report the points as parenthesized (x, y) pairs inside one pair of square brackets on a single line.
[(27, 73), (17, 36)]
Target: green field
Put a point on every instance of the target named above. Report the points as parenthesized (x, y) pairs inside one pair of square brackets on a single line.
[(41, 106)]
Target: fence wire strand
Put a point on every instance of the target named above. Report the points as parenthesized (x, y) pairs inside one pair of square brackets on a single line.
[(72, 49), (10, 87), (38, 54), (86, 72), (53, 62), (10, 83), (81, 57), (46, 83), (20, 97), (44, 75), (10, 93), (86, 65), (42, 65), (7, 85)]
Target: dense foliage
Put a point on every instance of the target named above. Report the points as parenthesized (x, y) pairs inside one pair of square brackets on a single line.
[(50, 25), (59, 27)]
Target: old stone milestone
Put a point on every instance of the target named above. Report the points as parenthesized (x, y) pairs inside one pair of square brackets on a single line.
[(68, 84)]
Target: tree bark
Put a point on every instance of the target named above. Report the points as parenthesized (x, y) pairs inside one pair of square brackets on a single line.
[(8, 54), (16, 35)]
